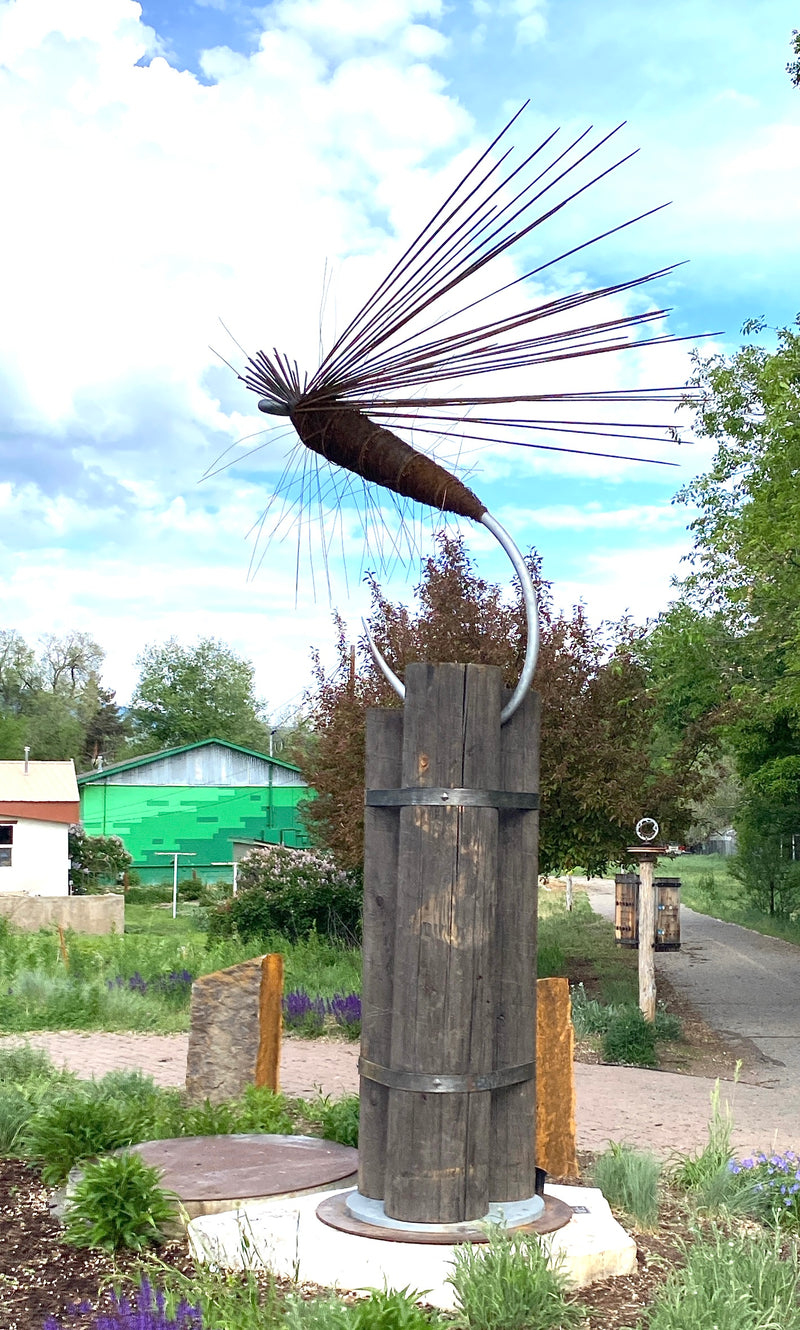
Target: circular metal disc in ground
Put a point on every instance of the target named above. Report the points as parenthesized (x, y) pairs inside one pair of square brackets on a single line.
[(224, 1168), (333, 1211)]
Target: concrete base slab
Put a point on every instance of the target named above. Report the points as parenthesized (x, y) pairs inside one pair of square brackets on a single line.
[(286, 1236)]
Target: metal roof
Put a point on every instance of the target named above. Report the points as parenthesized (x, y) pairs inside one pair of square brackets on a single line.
[(86, 778), (43, 783)]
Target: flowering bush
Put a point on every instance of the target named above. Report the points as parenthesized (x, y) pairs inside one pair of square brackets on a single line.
[(93, 859), (293, 892), (775, 1184)]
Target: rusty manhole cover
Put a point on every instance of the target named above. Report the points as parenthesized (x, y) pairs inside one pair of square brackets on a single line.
[(223, 1168)]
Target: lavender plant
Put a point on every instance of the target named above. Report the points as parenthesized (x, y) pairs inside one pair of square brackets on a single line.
[(303, 1015), (145, 1311), (346, 1011), (773, 1182)]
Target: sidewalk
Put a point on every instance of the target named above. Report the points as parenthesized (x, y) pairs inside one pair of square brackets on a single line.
[(658, 1110)]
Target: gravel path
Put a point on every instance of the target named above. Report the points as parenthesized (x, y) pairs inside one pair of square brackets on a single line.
[(662, 1111), (745, 985)]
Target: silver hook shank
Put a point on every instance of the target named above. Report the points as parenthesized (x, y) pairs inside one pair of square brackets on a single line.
[(531, 616)]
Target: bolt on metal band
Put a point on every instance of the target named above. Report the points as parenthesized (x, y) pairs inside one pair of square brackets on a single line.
[(430, 1083), (443, 797)]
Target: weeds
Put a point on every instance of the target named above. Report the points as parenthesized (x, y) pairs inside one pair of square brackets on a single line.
[(700, 1172), (629, 1181)]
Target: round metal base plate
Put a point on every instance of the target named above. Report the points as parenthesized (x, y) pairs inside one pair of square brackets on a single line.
[(216, 1168), (334, 1212)]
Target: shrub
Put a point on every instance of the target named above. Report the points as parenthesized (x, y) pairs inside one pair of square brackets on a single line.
[(293, 892), (510, 1283), (93, 858), (630, 1039), (629, 1181), (118, 1202), (731, 1281), (88, 1118), (338, 1119)]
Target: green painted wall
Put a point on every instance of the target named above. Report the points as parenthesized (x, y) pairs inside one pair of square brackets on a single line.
[(203, 819)]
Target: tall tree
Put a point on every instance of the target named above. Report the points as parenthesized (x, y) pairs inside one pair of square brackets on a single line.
[(747, 573), (189, 693), (598, 775), (46, 698)]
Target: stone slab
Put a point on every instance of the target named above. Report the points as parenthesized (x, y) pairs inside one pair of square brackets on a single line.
[(224, 1033), (286, 1236), (555, 1079)]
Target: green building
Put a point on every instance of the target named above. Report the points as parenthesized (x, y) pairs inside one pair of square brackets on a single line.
[(199, 799)]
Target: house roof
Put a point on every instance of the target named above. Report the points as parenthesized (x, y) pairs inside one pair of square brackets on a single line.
[(46, 792), (43, 783), (89, 776)]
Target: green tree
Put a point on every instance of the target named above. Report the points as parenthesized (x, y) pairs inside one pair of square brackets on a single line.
[(793, 67), (189, 693), (598, 775), (746, 577), (47, 700), (105, 728)]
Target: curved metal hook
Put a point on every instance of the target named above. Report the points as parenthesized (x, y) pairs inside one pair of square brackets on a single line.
[(531, 615)]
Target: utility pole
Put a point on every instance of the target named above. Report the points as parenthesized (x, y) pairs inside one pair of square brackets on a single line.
[(175, 855)]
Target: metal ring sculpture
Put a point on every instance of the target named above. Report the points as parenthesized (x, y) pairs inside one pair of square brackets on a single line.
[(531, 617)]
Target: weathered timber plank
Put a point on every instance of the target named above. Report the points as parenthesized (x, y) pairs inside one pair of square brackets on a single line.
[(438, 1145), (513, 1121), (384, 746)]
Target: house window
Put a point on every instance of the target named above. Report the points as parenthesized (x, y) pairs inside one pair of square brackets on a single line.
[(6, 841)]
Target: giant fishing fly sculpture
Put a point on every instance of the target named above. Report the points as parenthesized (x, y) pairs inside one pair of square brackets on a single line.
[(397, 345)]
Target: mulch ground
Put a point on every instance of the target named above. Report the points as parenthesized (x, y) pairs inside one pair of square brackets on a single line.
[(41, 1277)]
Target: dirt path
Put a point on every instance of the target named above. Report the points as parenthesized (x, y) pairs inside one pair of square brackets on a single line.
[(746, 986), (661, 1111)]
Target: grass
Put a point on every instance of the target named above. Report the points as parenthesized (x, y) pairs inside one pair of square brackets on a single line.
[(700, 1171), (141, 980), (629, 1181), (707, 886), (731, 1281), (53, 1118)]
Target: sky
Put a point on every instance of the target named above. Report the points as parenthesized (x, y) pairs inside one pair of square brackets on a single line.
[(185, 178)]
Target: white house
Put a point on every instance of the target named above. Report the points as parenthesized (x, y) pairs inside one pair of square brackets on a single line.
[(38, 803)]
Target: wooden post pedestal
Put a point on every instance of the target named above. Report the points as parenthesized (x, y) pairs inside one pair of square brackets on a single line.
[(448, 1045)]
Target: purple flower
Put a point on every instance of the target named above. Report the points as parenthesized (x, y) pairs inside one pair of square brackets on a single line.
[(346, 1011), (303, 1013)]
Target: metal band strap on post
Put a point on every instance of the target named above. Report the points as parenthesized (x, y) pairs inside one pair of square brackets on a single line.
[(428, 1083), (441, 797)]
